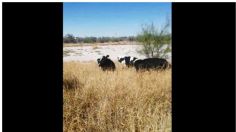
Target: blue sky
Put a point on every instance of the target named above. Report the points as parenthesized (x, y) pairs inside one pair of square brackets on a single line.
[(112, 19)]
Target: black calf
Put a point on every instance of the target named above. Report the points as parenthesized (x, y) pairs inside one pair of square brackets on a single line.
[(106, 64)]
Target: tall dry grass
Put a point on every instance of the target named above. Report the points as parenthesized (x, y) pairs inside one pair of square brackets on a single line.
[(124, 100)]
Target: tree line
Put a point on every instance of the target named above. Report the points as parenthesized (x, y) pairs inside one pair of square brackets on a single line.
[(155, 41), (70, 38)]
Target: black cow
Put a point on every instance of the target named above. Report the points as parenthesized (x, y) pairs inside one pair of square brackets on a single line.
[(151, 63), (127, 60), (106, 64)]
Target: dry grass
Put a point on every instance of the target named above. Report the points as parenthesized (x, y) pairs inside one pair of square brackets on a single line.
[(120, 101)]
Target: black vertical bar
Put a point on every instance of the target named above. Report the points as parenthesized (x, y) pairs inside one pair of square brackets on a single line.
[(203, 57), (32, 66)]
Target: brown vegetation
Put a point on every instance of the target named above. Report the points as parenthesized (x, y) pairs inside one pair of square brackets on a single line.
[(124, 100)]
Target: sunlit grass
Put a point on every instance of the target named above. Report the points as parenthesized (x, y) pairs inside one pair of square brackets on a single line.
[(124, 100)]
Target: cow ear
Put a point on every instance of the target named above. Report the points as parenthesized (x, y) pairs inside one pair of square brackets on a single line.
[(107, 56)]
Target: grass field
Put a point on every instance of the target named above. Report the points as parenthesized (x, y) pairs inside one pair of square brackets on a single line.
[(120, 101)]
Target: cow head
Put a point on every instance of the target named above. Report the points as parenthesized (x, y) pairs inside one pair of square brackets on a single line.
[(128, 60), (121, 59), (98, 60), (102, 60)]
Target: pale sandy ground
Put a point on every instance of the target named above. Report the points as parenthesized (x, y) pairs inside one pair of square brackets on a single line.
[(91, 52)]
